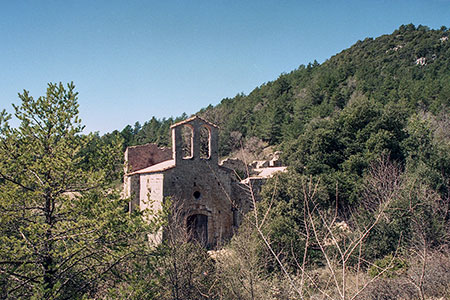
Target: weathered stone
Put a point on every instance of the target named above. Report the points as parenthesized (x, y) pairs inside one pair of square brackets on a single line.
[(143, 156), (209, 200), (237, 165)]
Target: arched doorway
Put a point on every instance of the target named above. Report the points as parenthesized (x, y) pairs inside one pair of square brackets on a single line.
[(197, 227)]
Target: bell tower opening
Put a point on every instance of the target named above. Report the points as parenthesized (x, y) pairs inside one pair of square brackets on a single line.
[(195, 139), (205, 142), (187, 137)]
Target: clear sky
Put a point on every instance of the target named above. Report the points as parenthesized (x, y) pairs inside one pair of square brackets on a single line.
[(131, 60)]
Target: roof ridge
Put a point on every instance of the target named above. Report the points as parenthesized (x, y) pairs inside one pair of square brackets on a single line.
[(194, 117)]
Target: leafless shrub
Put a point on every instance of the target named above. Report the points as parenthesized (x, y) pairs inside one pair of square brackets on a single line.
[(389, 289), (240, 270), (430, 274), (435, 278), (249, 150), (338, 246), (382, 184), (341, 245), (186, 268)]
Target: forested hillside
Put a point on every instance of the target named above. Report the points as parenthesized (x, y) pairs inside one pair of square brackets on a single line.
[(409, 67), (364, 210), (389, 95), (362, 213)]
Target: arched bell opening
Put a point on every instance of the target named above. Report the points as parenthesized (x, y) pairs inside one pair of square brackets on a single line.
[(187, 140), (205, 142)]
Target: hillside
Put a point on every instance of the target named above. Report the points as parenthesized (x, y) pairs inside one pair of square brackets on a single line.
[(411, 67), (363, 211), (383, 96), (366, 135)]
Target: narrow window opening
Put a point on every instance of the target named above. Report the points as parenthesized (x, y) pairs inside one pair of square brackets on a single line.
[(205, 141), (197, 194), (187, 139)]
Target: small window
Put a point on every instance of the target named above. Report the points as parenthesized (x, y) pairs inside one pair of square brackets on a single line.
[(197, 195)]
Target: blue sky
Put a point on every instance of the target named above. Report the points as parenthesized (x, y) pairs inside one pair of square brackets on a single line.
[(131, 60)]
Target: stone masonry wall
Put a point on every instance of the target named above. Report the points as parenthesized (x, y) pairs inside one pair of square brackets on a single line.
[(143, 156), (198, 188), (208, 197)]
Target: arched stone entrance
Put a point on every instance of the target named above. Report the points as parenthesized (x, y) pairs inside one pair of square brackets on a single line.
[(197, 228)]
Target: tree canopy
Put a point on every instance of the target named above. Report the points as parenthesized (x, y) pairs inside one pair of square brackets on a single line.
[(63, 226)]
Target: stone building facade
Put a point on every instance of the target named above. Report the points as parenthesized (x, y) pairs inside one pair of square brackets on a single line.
[(209, 198)]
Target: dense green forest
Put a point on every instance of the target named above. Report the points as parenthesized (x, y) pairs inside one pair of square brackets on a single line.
[(362, 213), (333, 119)]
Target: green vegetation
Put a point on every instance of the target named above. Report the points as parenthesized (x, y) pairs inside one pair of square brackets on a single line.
[(64, 232), (378, 110), (333, 119), (363, 212)]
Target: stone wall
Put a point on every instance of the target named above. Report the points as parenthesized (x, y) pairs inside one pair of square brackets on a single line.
[(151, 191), (131, 190), (197, 188), (143, 156), (208, 199)]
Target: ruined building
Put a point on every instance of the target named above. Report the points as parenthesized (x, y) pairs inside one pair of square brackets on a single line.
[(209, 197)]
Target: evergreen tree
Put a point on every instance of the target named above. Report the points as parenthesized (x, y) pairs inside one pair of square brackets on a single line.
[(63, 228)]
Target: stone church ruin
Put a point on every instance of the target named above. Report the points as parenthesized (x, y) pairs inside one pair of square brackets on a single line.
[(209, 196)]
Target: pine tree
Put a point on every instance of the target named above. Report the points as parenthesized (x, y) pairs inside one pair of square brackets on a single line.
[(63, 227)]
